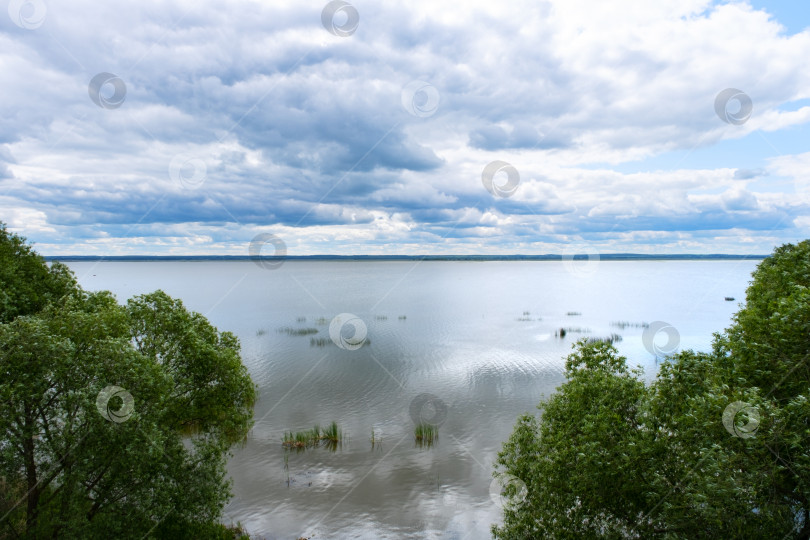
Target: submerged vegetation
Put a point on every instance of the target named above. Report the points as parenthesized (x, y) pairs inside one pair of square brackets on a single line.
[(526, 317), (625, 324), (561, 333), (320, 342), (612, 338), (331, 437), (425, 434), (376, 438), (297, 331), (323, 342), (575, 330)]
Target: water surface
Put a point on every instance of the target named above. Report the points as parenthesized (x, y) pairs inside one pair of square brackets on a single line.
[(477, 335)]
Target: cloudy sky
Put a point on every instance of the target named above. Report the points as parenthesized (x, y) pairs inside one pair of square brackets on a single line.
[(414, 127)]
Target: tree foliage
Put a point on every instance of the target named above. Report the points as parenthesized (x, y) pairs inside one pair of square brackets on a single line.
[(27, 284), (614, 458), (155, 467)]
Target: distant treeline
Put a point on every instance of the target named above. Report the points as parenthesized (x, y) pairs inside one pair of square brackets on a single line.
[(602, 257)]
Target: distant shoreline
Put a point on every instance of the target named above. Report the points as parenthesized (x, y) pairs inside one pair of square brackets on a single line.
[(478, 258)]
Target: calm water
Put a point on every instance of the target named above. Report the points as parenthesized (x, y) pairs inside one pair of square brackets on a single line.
[(464, 338)]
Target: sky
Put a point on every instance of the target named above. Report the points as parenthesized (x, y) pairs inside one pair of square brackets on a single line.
[(386, 128)]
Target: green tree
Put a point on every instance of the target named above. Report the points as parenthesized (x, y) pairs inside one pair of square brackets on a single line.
[(27, 284), (117, 420), (715, 447), (589, 425)]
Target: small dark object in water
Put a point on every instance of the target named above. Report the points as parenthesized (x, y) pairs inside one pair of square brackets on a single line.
[(729, 298), (561, 332)]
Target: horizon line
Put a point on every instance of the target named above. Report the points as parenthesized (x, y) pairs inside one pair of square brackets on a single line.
[(326, 257)]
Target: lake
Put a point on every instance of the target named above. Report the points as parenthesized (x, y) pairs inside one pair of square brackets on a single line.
[(467, 345)]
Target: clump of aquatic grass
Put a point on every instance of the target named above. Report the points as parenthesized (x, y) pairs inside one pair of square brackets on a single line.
[(571, 330), (332, 433), (323, 342), (297, 331), (330, 437), (376, 438), (612, 338), (526, 313), (260, 332), (573, 313), (301, 319), (627, 324), (381, 317), (298, 440), (321, 321), (425, 433), (402, 317)]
